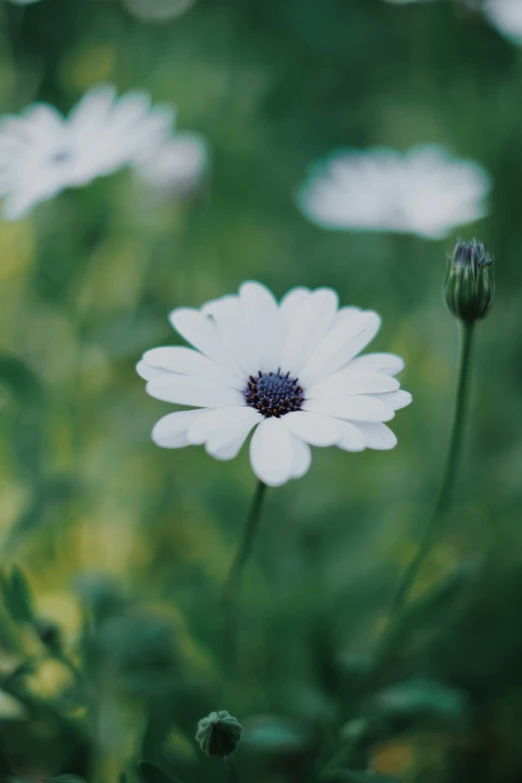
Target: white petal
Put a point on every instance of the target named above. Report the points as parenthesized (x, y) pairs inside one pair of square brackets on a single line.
[(272, 452), (347, 314), (340, 345), (309, 325), (226, 443), (314, 428), (378, 362), (377, 435), (349, 381), (93, 109), (148, 372), (185, 361), (396, 400), (193, 391), (291, 303), (302, 458), (234, 333), (201, 331), (352, 438), (357, 408), (263, 321), (219, 420), (170, 432)]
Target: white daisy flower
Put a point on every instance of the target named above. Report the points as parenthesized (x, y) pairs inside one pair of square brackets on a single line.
[(423, 191), (176, 168), (291, 370), (506, 16), (42, 153)]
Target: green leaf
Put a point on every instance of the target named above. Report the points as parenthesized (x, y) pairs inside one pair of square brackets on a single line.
[(20, 602), (151, 773), (420, 701)]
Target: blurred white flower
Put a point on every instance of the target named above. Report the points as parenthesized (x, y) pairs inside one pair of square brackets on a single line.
[(423, 191), (42, 153), (506, 16), (176, 168), (157, 10), (290, 370)]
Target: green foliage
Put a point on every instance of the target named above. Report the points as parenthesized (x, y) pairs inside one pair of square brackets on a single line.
[(17, 595), (151, 773)]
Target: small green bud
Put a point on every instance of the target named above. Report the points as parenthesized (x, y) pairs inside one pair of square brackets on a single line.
[(470, 283), (219, 733)]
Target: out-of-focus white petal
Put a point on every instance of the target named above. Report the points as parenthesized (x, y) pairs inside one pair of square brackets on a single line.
[(176, 168), (506, 16), (92, 110), (423, 191), (272, 452), (42, 153)]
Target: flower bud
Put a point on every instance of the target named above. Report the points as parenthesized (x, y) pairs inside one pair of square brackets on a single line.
[(470, 283), (219, 733)]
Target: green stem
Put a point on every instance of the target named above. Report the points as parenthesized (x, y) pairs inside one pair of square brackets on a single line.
[(233, 774), (448, 480), (245, 548), (5, 765)]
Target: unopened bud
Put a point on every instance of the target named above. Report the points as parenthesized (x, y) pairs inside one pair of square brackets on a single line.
[(470, 283), (219, 733)]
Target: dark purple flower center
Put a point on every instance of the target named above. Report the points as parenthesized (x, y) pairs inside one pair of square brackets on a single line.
[(273, 394)]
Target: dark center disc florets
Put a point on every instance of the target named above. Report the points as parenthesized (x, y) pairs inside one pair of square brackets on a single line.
[(273, 394)]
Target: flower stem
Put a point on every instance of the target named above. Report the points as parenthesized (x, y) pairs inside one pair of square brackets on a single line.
[(245, 548), (232, 769), (450, 470)]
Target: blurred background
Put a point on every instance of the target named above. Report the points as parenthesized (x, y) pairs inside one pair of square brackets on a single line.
[(125, 546)]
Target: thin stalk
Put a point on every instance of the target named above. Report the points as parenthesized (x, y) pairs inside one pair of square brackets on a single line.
[(5, 765), (233, 774), (448, 480), (245, 547)]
